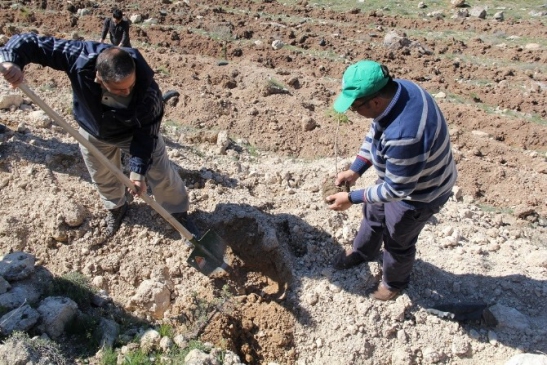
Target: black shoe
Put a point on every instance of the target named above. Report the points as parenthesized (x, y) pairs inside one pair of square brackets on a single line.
[(114, 219), (2, 128), (183, 219), (348, 259)]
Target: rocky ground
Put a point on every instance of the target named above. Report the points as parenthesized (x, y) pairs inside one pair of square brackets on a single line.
[(261, 192)]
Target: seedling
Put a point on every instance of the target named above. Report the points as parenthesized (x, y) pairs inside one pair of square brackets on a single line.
[(223, 33), (339, 119), (328, 186)]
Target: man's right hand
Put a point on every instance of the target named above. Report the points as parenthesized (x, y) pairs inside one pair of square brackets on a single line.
[(348, 177), (12, 74), (140, 187)]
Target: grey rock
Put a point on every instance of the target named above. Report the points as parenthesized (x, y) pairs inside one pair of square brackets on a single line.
[(19, 319), (4, 285), (17, 266), (110, 331), (19, 294), (478, 12), (56, 312), (508, 317)]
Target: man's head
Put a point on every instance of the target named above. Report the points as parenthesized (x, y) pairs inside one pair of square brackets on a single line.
[(362, 80), (117, 15), (116, 71)]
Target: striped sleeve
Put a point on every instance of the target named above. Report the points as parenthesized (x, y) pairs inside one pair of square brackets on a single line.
[(363, 161), (59, 54), (415, 166)]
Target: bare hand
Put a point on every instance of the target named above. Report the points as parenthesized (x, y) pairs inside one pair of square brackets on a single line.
[(140, 187), (347, 177), (339, 201), (12, 74)]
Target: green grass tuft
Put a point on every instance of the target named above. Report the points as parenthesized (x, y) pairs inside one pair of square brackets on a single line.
[(75, 286)]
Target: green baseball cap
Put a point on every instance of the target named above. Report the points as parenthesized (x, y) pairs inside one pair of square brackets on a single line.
[(360, 80)]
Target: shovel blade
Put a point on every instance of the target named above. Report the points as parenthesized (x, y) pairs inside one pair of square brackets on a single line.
[(208, 254)]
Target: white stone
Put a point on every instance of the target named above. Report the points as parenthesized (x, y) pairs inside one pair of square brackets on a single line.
[(277, 44), (527, 359), (150, 340), (9, 100)]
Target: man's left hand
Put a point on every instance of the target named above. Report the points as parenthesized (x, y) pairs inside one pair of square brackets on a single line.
[(339, 201)]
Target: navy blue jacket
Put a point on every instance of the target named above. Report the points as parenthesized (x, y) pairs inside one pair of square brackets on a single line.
[(141, 120), (119, 33)]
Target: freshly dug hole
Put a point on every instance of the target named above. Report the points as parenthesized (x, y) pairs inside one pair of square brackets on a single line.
[(254, 323)]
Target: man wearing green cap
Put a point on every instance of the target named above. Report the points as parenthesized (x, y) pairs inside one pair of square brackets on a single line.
[(409, 146)]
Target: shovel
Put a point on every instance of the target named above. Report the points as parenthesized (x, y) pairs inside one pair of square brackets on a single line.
[(208, 254)]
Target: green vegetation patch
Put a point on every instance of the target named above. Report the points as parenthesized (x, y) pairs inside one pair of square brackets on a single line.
[(75, 286)]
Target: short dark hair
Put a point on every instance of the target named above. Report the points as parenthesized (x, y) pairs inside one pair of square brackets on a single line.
[(117, 14), (389, 90), (114, 64), (391, 87)]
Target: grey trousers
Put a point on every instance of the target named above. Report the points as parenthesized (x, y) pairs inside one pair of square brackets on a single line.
[(167, 186), (397, 226)]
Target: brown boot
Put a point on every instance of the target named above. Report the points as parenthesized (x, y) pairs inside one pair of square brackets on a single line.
[(384, 293)]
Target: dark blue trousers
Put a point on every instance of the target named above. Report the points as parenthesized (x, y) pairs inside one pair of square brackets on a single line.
[(396, 225)]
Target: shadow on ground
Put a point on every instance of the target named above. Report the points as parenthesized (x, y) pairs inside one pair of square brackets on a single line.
[(56, 155), (270, 245)]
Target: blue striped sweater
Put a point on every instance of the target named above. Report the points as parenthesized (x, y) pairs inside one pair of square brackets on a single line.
[(409, 146)]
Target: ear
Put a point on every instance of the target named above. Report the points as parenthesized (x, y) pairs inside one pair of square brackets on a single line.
[(375, 103), (98, 78)]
